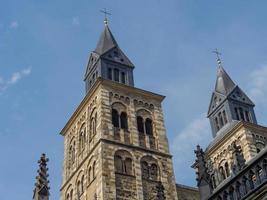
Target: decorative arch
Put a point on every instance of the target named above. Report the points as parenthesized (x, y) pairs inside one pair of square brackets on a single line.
[(150, 170), (91, 170), (69, 193), (80, 183), (123, 162), (93, 123), (259, 146), (71, 152), (144, 122), (125, 180), (82, 137), (119, 115)]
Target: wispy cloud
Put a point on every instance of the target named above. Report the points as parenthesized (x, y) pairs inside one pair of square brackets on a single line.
[(14, 25), (183, 145), (257, 85), (75, 21), (5, 84)]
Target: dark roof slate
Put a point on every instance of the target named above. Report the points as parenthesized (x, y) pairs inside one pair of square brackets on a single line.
[(224, 84), (105, 42)]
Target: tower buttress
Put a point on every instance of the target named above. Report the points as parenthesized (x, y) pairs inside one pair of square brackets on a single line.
[(41, 190)]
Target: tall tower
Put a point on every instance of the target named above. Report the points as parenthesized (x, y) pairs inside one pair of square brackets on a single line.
[(237, 137), (115, 143), (41, 190)]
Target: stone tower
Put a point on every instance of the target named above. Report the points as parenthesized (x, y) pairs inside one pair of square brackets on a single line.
[(115, 143), (41, 190), (237, 136)]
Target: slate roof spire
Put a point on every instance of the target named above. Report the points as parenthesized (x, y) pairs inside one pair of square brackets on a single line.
[(108, 61), (106, 41), (228, 103), (41, 190), (224, 84)]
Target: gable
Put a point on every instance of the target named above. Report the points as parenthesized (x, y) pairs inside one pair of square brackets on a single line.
[(93, 59), (116, 55), (238, 95), (216, 100)]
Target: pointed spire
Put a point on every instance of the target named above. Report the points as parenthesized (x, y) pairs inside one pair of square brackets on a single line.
[(224, 84), (41, 190), (106, 41)]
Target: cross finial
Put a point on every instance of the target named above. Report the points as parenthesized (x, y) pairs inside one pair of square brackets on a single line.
[(106, 14), (219, 61)]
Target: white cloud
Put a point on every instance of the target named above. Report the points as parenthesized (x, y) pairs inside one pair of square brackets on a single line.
[(197, 132), (13, 25), (14, 79), (257, 85), (183, 145), (75, 21)]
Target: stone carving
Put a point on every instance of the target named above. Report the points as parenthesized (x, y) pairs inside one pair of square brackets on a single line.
[(238, 158)]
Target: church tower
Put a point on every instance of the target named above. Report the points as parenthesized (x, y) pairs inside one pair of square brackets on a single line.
[(115, 143), (237, 139)]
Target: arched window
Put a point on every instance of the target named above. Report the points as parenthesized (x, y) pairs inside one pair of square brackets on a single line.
[(140, 124), (68, 196), (236, 113), (145, 170), (225, 117), (109, 73), (217, 124), (213, 181), (116, 75), (94, 170), (82, 184), (123, 77), (70, 155), (93, 124), (247, 116), (124, 121), (90, 177), (82, 138), (154, 172), (79, 188), (222, 173), (149, 127), (71, 195), (118, 164), (227, 169), (221, 119), (128, 166), (115, 118), (241, 113)]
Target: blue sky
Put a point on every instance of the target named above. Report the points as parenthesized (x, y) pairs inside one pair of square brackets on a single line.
[(44, 47)]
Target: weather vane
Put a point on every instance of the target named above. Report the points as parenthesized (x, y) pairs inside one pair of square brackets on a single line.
[(218, 54), (106, 14)]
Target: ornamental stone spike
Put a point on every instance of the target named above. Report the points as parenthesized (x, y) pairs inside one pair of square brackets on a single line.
[(203, 178), (41, 190)]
